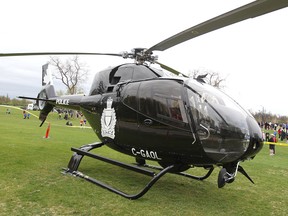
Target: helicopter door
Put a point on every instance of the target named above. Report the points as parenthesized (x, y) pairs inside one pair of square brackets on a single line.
[(162, 116)]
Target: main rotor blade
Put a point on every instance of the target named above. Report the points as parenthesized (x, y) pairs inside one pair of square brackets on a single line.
[(251, 10), (33, 98), (170, 69), (56, 53)]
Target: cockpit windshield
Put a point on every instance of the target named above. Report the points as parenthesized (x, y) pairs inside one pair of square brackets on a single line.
[(213, 105), (220, 122)]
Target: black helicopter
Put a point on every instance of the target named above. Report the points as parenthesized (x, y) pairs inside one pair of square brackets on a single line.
[(150, 114)]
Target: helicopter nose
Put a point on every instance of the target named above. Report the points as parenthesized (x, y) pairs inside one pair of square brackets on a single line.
[(232, 143), (254, 147), (256, 139)]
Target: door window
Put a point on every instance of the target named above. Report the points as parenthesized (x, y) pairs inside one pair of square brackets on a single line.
[(162, 100)]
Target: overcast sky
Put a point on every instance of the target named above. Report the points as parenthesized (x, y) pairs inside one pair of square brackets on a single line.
[(252, 54)]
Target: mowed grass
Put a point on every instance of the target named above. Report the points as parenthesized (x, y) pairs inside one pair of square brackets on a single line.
[(31, 182)]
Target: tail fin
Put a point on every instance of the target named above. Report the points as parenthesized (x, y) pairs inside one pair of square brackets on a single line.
[(46, 75), (47, 90), (47, 93), (47, 96)]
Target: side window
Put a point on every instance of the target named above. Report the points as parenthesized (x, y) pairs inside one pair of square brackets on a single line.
[(161, 105), (170, 109), (177, 109), (146, 103), (162, 100), (130, 95)]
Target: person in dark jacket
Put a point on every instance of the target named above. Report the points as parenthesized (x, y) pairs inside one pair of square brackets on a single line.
[(272, 146), (283, 134)]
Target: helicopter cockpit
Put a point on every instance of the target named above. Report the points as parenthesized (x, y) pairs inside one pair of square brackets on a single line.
[(223, 127)]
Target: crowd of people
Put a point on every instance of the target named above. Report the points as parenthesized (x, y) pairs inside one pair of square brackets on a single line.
[(70, 114), (280, 132)]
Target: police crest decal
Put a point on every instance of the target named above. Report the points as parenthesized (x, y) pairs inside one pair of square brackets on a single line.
[(108, 120)]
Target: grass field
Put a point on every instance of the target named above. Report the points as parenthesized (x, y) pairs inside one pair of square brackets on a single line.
[(31, 182)]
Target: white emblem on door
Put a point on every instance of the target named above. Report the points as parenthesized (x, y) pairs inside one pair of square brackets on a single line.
[(108, 120)]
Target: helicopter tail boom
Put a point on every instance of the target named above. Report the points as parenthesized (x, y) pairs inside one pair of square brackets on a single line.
[(49, 101)]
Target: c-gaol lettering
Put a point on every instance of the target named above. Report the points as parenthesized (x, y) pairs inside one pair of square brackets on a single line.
[(62, 101), (145, 154)]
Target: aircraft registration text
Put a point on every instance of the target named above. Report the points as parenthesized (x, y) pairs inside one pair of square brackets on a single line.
[(145, 154)]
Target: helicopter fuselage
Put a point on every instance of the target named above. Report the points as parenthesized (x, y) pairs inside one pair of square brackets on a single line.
[(167, 119)]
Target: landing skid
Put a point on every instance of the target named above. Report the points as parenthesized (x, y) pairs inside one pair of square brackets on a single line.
[(79, 153)]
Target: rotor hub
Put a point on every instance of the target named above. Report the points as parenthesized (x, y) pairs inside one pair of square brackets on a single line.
[(140, 56)]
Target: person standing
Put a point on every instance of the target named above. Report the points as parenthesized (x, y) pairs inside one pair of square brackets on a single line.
[(81, 122), (272, 146), (283, 134), (24, 114)]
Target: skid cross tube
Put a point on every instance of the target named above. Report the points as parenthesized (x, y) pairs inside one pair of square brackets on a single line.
[(182, 173), (114, 162), (200, 178)]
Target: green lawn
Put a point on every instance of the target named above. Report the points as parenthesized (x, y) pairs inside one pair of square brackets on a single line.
[(32, 184)]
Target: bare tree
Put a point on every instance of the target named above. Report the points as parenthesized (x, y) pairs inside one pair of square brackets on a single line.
[(71, 72), (264, 116), (212, 78)]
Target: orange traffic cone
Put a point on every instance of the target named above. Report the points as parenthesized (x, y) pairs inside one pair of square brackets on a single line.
[(47, 131)]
